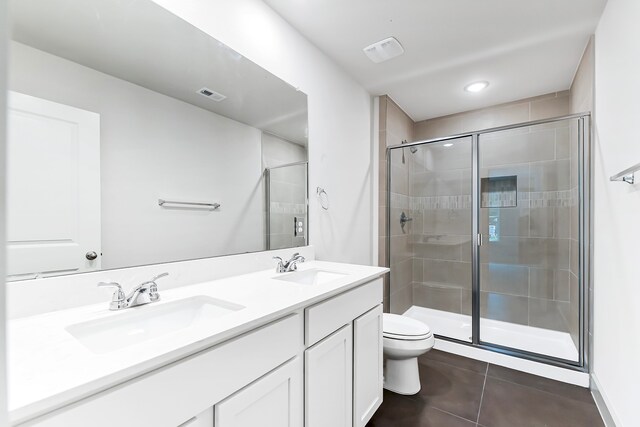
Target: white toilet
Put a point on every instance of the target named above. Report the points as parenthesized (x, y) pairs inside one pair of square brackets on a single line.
[(404, 339)]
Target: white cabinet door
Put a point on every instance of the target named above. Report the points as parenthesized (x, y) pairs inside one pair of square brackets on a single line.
[(328, 381), (53, 187), (203, 419), (367, 366), (274, 400)]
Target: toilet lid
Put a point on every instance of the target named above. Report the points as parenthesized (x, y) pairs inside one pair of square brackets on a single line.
[(396, 326)]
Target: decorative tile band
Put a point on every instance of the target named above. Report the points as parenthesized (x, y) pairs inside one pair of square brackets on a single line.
[(400, 201), (538, 199), (440, 202)]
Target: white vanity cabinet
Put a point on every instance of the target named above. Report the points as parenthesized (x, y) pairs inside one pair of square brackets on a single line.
[(178, 393), (203, 419), (367, 366), (343, 369), (328, 380), (319, 366), (273, 400)]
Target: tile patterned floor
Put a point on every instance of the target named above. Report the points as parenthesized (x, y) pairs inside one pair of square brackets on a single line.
[(461, 392)]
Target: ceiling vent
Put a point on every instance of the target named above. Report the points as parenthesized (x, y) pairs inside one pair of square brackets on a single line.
[(384, 50), (211, 94)]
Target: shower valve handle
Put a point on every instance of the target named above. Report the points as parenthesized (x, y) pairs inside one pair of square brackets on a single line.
[(404, 219)]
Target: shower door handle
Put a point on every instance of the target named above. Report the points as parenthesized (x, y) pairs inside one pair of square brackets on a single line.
[(479, 239)]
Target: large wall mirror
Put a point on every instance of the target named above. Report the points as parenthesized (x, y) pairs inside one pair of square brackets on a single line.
[(135, 138)]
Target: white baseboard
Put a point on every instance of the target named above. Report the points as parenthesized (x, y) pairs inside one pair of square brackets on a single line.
[(541, 369), (604, 405)]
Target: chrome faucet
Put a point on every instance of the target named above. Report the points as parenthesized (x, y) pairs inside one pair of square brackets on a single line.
[(291, 265), (145, 293)]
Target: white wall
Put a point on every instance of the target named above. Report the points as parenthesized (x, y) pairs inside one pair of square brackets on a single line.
[(277, 151), (3, 145), (154, 146), (617, 211), (339, 117)]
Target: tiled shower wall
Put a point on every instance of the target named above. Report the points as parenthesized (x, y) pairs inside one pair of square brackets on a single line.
[(395, 127), (525, 275), (440, 233), (525, 271), (535, 291)]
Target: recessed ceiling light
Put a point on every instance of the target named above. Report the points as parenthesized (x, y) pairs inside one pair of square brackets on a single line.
[(384, 50), (448, 145), (476, 86)]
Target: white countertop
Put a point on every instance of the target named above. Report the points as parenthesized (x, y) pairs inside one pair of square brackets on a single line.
[(49, 368)]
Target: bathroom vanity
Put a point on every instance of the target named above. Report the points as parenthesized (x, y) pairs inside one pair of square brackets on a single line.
[(301, 348), (229, 341)]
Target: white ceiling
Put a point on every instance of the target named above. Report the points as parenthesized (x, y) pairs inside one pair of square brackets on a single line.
[(522, 47)]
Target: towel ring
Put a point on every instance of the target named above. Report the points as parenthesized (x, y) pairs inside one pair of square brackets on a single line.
[(323, 197)]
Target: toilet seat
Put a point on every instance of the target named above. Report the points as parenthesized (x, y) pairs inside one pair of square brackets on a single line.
[(404, 328), (406, 337)]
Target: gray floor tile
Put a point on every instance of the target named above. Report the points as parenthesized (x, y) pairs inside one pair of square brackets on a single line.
[(544, 384), (454, 394), (400, 411), (507, 404), (450, 389), (455, 360)]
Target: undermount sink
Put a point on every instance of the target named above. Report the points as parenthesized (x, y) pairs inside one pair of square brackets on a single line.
[(310, 277), (134, 325)]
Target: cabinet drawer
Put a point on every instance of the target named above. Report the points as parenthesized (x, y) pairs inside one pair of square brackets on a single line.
[(173, 394), (330, 315)]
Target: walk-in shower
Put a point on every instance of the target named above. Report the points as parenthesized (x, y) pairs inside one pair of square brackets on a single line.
[(488, 237)]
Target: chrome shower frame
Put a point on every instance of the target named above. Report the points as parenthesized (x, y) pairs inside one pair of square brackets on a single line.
[(585, 233)]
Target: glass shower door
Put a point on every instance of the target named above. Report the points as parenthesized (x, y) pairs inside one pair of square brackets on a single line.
[(528, 222), (430, 225)]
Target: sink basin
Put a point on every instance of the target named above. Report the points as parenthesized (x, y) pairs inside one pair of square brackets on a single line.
[(135, 325), (310, 277)]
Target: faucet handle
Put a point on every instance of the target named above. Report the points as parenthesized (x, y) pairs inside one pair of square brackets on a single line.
[(153, 288), (280, 268), (159, 276), (110, 284), (118, 298)]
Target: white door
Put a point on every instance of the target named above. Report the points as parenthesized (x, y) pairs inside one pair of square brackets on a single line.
[(274, 400), (328, 381), (367, 366), (53, 188)]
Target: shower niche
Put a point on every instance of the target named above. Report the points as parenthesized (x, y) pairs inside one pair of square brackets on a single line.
[(499, 192)]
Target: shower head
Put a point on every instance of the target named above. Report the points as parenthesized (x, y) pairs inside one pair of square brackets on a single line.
[(412, 149)]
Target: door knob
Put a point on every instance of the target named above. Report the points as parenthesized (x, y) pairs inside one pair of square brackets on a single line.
[(91, 255)]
